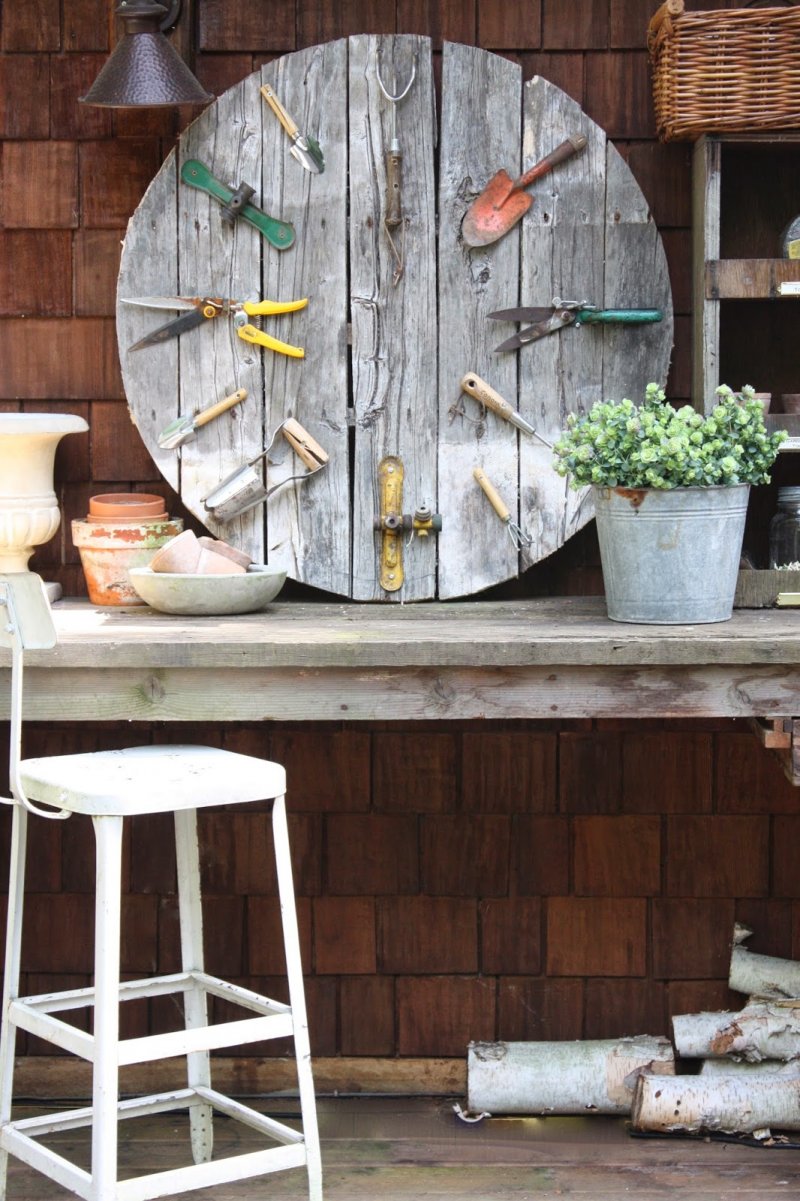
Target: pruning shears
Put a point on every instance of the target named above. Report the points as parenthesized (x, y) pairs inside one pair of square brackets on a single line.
[(197, 309), (550, 319)]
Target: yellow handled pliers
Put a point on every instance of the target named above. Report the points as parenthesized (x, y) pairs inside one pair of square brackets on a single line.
[(198, 309)]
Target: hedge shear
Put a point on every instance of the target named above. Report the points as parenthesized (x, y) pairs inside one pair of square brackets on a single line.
[(205, 308), (549, 320)]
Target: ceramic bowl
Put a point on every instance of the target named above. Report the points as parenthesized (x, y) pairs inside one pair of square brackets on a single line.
[(208, 595)]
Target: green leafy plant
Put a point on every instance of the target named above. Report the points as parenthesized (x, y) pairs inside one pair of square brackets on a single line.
[(618, 444)]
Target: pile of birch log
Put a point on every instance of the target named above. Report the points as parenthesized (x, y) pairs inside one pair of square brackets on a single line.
[(732, 1072)]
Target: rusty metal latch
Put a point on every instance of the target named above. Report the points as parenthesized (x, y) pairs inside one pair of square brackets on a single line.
[(393, 522)]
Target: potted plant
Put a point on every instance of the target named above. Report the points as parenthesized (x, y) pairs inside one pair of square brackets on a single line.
[(670, 490)]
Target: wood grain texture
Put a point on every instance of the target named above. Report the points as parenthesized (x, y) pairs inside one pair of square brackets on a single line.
[(413, 332), (394, 333), (589, 236), (149, 266), (474, 549), (308, 525)]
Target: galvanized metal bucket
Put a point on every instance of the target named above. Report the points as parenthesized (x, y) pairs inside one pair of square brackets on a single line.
[(672, 555)]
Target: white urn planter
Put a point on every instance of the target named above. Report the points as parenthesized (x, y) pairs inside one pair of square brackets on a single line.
[(29, 510)]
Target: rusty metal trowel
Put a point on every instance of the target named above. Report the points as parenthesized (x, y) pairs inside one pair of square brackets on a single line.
[(503, 201), (245, 488)]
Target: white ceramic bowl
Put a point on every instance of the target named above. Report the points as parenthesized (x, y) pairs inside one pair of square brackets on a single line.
[(208, 595)]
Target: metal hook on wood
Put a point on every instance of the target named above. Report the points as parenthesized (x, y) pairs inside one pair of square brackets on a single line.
[(393, 216)]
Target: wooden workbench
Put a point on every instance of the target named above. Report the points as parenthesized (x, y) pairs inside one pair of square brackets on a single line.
[(544, 658)]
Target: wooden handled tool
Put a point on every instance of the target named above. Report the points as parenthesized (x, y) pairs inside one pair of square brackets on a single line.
[(184, 428), (473, 385), (501, 509), (303, 445), (304, 148), (503, 201)]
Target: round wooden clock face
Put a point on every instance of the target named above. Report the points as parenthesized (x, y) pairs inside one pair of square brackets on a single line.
[(397, 316)]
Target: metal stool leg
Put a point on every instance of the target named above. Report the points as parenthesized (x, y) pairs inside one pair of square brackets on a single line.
[(105, 1077), (297, 1000), (16, 897), (195, 1000)]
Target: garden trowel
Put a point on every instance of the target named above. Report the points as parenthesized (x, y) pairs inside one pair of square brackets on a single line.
[(304, 148), (503, 201), (184, 428)]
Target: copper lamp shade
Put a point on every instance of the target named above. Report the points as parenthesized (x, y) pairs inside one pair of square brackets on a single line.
[(144, 69)]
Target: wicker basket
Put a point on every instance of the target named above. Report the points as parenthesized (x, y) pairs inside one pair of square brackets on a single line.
[(733, 70)]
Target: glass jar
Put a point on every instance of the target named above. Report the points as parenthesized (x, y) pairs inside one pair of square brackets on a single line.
[(784, 531)]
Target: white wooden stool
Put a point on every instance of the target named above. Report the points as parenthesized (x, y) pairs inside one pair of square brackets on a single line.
[(109, 786)]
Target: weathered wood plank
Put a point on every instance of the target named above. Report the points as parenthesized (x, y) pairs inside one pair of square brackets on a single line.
[(447, 693), (706, 193), (309, 522), (570, 631), (744, 279), (474, 550), (636, 277), (219, 260), (149, 267), (562, 256), (394, 329)]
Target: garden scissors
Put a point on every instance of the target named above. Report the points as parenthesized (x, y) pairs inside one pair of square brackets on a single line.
[(549, 320), (198, 309)]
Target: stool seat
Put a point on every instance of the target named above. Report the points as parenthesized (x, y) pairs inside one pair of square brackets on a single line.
[(150, 779)]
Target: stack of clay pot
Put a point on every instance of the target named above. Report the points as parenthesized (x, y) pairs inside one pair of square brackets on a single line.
[(122, 530), (189, 555)]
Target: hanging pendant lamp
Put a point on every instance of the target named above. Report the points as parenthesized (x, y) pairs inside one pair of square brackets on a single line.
[(145, 69)]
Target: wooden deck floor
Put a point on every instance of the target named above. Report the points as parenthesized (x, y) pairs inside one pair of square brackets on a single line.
[(416, 1149)]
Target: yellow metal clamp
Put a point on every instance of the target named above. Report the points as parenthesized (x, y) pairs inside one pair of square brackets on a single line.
[(392, 522)]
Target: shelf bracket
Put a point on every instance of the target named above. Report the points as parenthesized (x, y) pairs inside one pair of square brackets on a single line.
[(781, 735)]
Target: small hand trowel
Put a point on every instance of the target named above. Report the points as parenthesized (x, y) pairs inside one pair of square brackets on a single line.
[(503, 201), (304, 148), (184, 428)]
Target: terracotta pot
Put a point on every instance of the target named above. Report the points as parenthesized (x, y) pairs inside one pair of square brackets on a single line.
[(179, 556), (108, 550), (211, 563), (224, 548), (127, 506)]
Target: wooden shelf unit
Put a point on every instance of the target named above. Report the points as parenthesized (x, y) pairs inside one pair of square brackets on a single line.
[(746, 311)]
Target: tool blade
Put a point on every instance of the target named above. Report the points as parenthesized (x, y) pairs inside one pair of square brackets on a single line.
[(315, 150), (494, 212), (176, 433), (512, 343), (162, 302), (170, 329), (522, 314), (302, 152)]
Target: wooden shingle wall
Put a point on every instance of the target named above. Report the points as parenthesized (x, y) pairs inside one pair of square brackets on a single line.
[(454, 882)]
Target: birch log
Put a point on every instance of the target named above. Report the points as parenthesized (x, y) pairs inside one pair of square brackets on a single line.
[(763, 975), (561, 1077), (732, 1105), (759, 1031), (735, 1069)]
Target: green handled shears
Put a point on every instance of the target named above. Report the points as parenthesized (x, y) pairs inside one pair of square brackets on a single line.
[(198, 309), (560, 313)]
